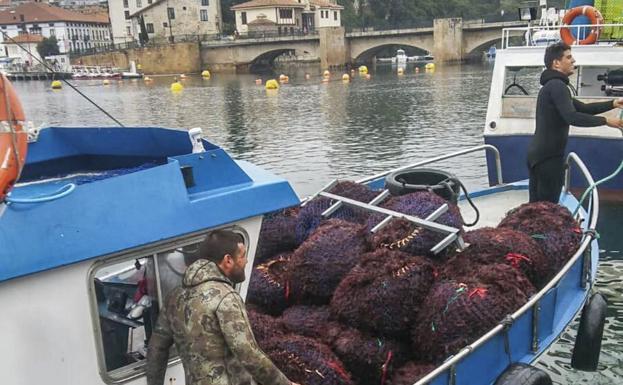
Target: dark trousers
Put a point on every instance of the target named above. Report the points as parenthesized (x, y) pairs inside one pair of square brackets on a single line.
[(546, 180)]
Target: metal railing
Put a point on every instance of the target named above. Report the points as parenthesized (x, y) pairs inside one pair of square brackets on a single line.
[(486, 147), (529, 33), (533, 303)]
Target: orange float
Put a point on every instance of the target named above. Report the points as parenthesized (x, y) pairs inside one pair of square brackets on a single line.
[(13, 137), (594, 17)]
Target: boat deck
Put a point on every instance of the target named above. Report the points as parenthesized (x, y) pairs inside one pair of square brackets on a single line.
[(492, 207)]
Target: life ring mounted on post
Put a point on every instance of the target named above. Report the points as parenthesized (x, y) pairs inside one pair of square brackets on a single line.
[(13, 137), (595, 19)]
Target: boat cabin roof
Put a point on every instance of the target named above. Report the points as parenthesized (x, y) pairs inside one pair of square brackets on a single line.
[(114, 189)]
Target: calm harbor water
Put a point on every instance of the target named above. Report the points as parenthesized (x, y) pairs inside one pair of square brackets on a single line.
[(310, 133)]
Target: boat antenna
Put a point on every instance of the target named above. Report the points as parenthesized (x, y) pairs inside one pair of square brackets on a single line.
[(64, 80)]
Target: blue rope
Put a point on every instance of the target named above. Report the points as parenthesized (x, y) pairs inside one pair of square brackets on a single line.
[(62, 192)]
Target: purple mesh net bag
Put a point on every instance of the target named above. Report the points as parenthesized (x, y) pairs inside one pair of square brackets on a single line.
[(268, 285), (306, 361), (311, 321), (320, 263), (310, 216), (401, 234), (383, 293), (278, 234)]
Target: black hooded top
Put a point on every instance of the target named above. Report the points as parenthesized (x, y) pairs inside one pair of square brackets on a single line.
[(555, 111)]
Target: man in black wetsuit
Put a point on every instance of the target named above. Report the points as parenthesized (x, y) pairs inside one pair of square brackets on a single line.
[(556, 109)]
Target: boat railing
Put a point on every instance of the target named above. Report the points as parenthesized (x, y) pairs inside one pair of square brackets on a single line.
[(529, 31), (485, 147), (584, 251)]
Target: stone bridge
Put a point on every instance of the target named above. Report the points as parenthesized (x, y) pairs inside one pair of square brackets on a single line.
[(449, 40)]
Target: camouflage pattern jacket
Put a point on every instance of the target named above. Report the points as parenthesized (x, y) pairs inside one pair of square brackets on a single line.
[(207, 321)]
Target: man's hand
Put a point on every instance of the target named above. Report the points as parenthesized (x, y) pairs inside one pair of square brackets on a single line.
[(614, 123), (617, 103)]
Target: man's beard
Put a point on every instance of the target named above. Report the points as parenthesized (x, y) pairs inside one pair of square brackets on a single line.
[(237, 276)]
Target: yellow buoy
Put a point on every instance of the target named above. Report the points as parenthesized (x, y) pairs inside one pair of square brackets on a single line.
[(430, 66), (363, 70), (326, 74), (258, 82), (346, 78), (272, 84), (176, 86), (57, 85), (206, 74), (401, 71), (139, 67), (147, 79), (106, 82)]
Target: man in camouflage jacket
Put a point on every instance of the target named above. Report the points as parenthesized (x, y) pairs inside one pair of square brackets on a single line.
[(207, 321)]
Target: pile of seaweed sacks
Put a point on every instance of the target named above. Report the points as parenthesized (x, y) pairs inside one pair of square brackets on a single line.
[(332, 303)]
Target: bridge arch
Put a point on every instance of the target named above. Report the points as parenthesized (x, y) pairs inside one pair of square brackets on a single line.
[(367, 55), (481, 41)]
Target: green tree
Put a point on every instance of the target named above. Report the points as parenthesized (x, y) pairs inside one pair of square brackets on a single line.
[(48, 47)]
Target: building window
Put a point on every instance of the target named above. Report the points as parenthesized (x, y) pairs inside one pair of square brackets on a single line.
[(334, 15), (285, 13), (205, 3), (171, 13), (203, 15), (149, 27), (127, 14), (52, 32), (128, 31), (139, 4), (243, 17), (51, 24), (165, 24), (125, 4)]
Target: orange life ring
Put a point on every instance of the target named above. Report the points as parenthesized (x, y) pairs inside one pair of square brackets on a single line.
[(13, 137), (594, 17)]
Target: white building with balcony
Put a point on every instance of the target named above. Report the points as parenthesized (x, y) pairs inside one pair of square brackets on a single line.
[(74, 31), (286, 16)]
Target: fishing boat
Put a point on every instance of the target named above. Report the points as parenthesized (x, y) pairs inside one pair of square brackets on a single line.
[(510, 120)]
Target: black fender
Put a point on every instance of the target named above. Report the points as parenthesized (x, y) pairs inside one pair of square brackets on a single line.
[(587, 344), (523, 374)]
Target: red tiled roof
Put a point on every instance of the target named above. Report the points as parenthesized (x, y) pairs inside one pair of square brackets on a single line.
[(25, 38), (268, 4), (40, 13), (325, 4)]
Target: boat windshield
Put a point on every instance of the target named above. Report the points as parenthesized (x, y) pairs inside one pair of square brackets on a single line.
[(590, 83)]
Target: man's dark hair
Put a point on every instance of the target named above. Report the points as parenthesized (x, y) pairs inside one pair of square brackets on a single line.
[(555, 52), (215, 246)]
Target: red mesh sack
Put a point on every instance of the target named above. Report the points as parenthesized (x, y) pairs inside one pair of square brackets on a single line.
[(501, 245), (459, 312), (383, 293), (370, 359), (320, 263), (551, 225), (411, 373), (306, 361)]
